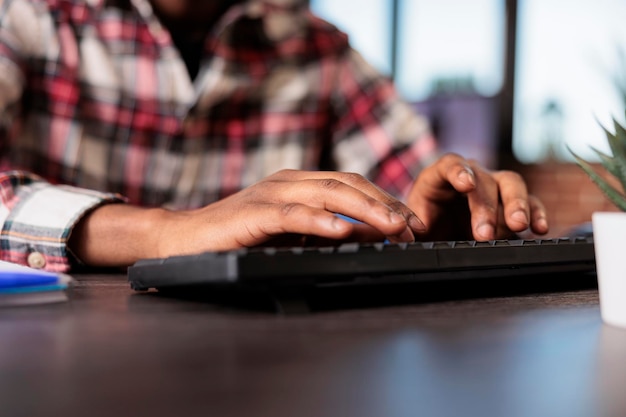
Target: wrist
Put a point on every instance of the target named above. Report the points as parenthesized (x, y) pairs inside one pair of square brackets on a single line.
[(118, 235)]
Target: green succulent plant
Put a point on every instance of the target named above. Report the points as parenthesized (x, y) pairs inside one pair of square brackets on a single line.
[(615, 164)]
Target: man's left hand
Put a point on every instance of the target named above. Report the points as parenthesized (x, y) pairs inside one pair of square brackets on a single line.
[(457, 199)]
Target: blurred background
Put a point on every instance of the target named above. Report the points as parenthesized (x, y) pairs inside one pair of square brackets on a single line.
[(510, 83)]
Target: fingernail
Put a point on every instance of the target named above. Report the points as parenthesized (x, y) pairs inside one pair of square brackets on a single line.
[(485, 231), (407, 236), (543, 223), (467, 176), (520, 216), (416, 224), (396, 218), (338, 224)]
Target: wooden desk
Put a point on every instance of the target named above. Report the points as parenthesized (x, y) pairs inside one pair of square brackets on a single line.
[(112, 352)]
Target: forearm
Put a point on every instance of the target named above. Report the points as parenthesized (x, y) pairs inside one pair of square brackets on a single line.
[(117, 235), (37, 218), (286, 203)]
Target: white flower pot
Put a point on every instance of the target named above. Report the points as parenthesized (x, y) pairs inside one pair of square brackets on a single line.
[(609, 233)]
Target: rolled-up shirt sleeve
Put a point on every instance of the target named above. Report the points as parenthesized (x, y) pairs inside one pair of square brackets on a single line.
[(37, 218)]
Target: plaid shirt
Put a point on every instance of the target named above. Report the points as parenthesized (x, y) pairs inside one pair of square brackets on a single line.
[(96, 103)]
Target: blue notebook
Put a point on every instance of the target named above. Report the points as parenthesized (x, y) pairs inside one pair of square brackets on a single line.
[(21, 285)]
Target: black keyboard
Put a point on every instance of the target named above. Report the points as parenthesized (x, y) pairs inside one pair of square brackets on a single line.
[(356, 264)]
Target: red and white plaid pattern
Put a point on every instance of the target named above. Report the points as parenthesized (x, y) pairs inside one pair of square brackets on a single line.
[(93, 94)]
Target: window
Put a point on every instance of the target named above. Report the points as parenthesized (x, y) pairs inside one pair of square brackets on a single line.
[(368, 23), (450, 44), (450, 41), (448, 60), (570, 54)]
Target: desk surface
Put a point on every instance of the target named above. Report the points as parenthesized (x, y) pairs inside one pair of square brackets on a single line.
[(112, 352)]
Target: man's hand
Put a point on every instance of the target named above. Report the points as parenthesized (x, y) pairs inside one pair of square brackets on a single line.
[(288, 203), (457, 199), (451, 200), (293, 202)]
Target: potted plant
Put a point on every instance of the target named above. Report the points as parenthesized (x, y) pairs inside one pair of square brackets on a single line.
[(609, 228)]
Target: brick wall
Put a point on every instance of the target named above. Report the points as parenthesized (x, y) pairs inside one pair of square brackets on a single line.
[(569, 195)]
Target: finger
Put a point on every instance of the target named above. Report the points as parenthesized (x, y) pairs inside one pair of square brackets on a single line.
[(514, 197), (439, 184), (334, 196), (452, 173), (363, 185), (483, 202), (319, 224), (273, 220), (538, 216), (361, 233)]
